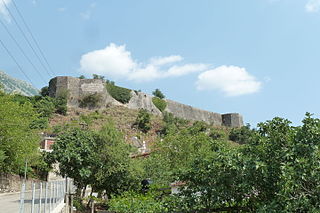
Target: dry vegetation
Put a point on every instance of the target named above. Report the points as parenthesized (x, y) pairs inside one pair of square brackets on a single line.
[(122, 117)]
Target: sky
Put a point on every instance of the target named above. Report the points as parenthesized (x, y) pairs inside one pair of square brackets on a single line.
[(259, 58)]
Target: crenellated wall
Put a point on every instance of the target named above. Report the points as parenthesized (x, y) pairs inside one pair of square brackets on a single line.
[(79, 88)]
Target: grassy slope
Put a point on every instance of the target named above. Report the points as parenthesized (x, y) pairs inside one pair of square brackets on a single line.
[(122, 117)]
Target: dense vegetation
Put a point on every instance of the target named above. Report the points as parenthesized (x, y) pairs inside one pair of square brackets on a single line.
[(121, 94), (21, 120), (276, 170), (97, 158)]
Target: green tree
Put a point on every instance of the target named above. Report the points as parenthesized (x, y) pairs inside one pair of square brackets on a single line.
[(117, 172), (44, 91), (276, 171), (159, 94), (18, 142), (241, 135), (143, 121), (177, 151), (76, 152), (95, 76), (100, 159)]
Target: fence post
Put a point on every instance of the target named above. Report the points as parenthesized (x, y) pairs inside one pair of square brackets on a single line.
[(45, 197), (33, 196), (40, 198), (23, 189), (50, 200)]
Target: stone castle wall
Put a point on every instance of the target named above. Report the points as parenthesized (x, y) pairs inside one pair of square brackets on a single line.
[(79, 88)]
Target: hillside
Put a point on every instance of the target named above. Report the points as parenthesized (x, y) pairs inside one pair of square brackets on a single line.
[(124, 120), (12, 85)]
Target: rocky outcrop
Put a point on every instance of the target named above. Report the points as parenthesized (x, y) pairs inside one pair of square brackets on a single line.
[(140, 100), (79, 88)]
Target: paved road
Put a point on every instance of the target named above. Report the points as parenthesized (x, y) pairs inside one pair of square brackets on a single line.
[(9, 203)]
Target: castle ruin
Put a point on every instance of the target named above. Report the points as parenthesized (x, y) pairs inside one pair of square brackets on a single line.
[(79, 88)]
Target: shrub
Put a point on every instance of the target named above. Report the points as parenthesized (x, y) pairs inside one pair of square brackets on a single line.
[(159, 103), (143, 121), (158, 94), (44, 106), (91, 100), (39, 123), (95, 76), (44, 91), (61, 102), (121, 94), (134, 202), (241, 135)]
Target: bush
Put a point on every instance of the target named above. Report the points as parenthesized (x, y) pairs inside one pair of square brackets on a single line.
[(143, 121), (95, 76), (44, 91), (159, 103), (135, 202), (39, 123), (241, 135), (121, 94), (61, 102), (158, 94), (91, 100)]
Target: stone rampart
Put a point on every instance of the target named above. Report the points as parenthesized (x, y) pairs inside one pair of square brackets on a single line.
[(191, 113), (79, 88)]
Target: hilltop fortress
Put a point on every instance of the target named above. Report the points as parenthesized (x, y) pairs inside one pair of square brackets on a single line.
[(79, 88)]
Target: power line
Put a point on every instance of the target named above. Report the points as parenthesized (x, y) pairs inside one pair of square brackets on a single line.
[(14, 59), (25, 37), (23, 52), (33, 38)]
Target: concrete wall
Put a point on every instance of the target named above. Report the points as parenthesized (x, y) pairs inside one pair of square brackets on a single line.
[(79, 88)]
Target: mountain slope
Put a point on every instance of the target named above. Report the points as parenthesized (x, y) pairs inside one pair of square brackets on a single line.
[(12, 85)]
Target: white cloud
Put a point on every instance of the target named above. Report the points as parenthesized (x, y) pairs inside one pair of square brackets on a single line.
[(313, 6), (88, 13), (166, 60), (116, 62), (231, 80), (3, 10)]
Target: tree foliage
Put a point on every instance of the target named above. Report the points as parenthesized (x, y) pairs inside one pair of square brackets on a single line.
[(100, 159), (133, 202), (276, 171), (159, 94), (95, 76), (18, 142), (143, 121), (241, 135)]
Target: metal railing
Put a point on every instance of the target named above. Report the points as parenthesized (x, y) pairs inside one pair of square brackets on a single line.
[(43, 197)]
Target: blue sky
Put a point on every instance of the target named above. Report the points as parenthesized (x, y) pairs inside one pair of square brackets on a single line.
[(256, 57)]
